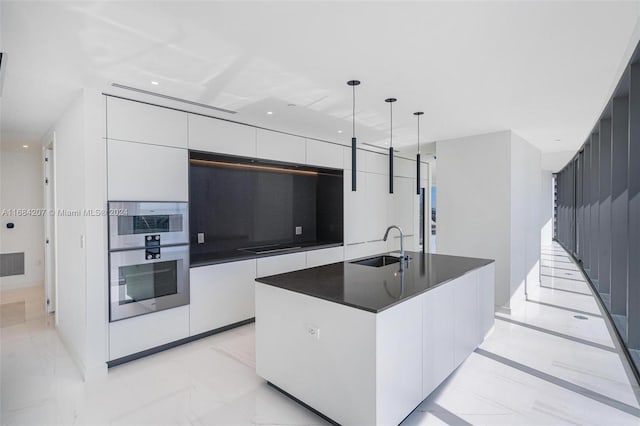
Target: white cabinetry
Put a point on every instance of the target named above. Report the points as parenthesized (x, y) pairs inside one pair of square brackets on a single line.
[(280, 264), (142, 172), (437, 340), (139, 122), (325, 154), (324, 256), (213, 135), (221, 295), (280, 147), (133, 335), (466, 327), (486, 290), (376, 163)]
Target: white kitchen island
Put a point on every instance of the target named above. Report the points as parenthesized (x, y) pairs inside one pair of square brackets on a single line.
[(364, 345)]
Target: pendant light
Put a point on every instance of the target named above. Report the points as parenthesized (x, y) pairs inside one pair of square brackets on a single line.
[(353, 84), (390, 101), (418, 114)]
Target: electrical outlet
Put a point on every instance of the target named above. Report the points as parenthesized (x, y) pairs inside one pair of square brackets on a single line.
[(200, 237), (313, 331), (298, 230)]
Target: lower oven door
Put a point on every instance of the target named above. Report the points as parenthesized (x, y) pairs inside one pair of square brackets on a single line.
[(148, 280)]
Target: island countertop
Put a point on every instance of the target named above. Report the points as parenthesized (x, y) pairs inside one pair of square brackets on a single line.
[(375, 289)]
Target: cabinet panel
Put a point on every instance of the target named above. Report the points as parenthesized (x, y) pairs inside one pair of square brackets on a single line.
[(355, 210), (138, 122), (221, 295), (325, 256), (325, 155), (213, 135), (437, 342), (280, 147), (401, 204), (374, 216), (377, 163), (360, 161), (280, 264), (133, 335), (466, 328), (405, 168), (486, 299), (142, 172)]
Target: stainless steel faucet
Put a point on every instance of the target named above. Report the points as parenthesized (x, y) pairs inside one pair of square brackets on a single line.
[(403, 258)]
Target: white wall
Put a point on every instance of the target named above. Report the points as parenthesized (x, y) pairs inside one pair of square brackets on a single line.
[(546, 208), (488, 206), (473, 217), (21, 187), (80, 179)]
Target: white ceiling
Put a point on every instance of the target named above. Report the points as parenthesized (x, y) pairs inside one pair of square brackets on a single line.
[(543, 69)]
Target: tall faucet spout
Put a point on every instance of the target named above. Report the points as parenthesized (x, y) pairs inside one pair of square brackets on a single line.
[(386, 235)]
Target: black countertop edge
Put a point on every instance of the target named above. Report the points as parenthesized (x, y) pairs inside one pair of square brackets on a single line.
[(268, 280), (249, 256)]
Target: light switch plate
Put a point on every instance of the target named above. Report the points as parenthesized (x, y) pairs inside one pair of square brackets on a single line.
[(298, 230), (200, 237)]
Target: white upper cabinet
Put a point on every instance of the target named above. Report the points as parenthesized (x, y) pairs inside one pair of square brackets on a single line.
[(403, 167), (360, 159), (142, 172), (224, 137), (377, 163), (138, 122), (280, 147), (325, 154)]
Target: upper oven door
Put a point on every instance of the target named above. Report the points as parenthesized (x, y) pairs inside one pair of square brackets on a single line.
[(132, 223)]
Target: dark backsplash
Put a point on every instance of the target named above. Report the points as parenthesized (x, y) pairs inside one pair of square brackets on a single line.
[(240, 203)]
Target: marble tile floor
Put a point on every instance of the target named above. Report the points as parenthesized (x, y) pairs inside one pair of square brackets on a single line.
[(541, 366)]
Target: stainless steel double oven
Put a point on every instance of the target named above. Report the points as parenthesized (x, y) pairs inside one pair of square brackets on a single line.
[(148, 257)]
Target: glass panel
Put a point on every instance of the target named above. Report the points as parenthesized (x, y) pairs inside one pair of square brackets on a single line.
[(148, 281), (128, 225)]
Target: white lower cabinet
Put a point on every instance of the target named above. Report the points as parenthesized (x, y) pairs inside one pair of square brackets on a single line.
[(437, 340), (325, 256), (486, 302), (133, 335), (466, 327), (280, 264), (221, 295)]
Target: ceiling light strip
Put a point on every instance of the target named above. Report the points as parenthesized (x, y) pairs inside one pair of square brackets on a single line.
[(171, 98)]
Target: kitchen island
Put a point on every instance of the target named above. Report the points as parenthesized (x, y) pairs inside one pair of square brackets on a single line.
[(365, 341)]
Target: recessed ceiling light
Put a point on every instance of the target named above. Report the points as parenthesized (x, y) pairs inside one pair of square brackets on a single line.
[(339, 131), (155, 83), (269, 112), (25, 146)]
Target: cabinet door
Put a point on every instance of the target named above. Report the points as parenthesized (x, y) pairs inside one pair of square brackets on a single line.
[(221, 295), (400, 210), (355, 210), (133, 335), (325, 154), (213, 135), (403, 167), (141, 172), (325, 256), (437, 342), (466, 327), (280, 264), (486, 302), (377, 163), (280, 147), (138, 122), (375, 218)]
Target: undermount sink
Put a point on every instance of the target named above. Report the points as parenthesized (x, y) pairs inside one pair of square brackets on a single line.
[(377, 261)]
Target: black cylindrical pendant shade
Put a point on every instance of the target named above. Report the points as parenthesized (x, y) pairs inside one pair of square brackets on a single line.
[(390, 170), (354, 173), (418, 174)]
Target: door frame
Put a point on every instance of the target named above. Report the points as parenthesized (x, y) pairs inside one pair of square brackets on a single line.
[(50, 226)]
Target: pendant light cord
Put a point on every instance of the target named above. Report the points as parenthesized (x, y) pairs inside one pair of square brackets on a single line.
[(418, 134), (391, 130)]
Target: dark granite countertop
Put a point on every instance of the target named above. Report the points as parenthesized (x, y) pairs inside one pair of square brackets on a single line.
[(204, 259), (375, 289)]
